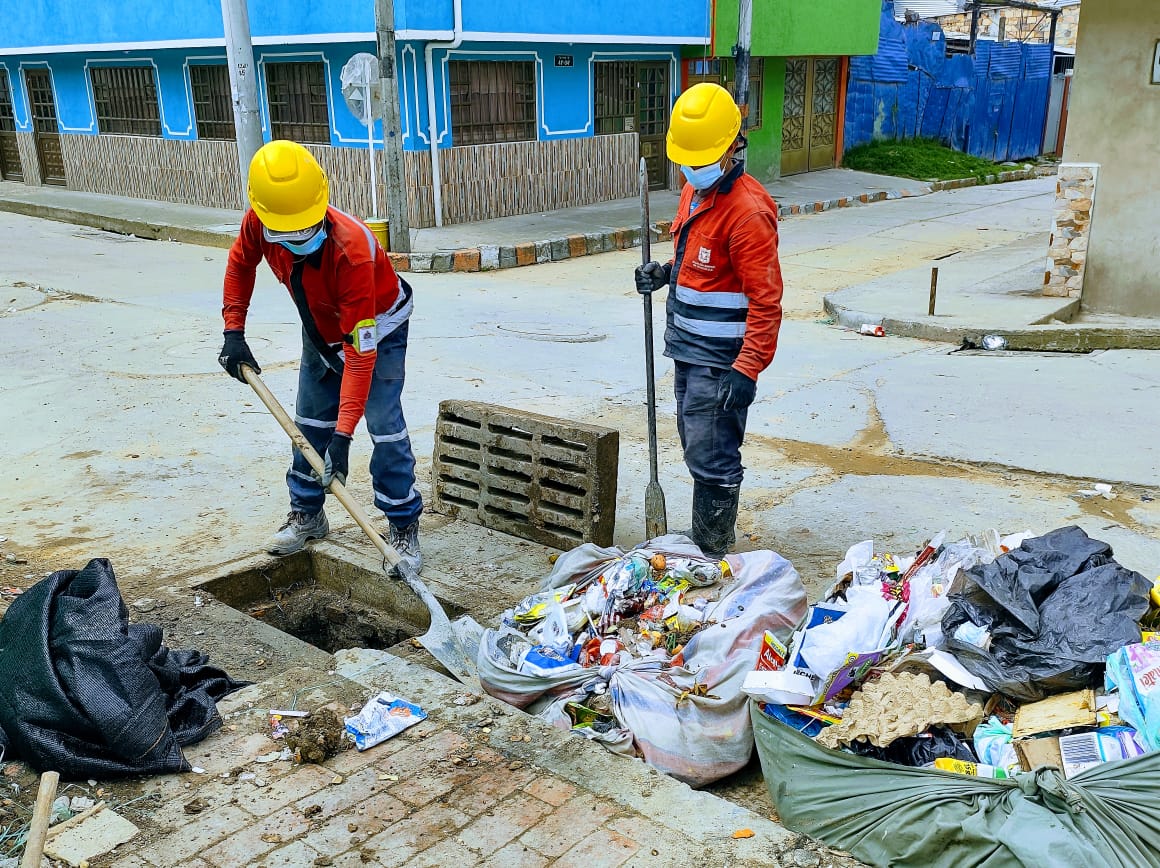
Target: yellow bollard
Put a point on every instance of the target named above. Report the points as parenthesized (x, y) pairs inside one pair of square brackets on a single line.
[(380, 229)]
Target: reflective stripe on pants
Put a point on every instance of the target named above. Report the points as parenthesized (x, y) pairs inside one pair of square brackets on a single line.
[(392, 461)]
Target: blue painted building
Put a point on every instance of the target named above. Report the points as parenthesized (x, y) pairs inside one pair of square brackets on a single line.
[(536, 106)]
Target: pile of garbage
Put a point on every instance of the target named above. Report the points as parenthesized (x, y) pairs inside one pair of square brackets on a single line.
[(645, 651), (988, 701)]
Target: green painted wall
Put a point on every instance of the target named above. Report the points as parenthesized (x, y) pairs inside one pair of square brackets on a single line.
[(790, 28), (763, 158)]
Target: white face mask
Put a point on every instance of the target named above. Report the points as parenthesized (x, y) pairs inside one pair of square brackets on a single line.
[(704, 177)]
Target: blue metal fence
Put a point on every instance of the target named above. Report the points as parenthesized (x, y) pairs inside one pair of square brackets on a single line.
[(991, 105)]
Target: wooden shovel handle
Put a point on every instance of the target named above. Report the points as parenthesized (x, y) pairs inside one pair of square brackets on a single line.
[(315, 461)]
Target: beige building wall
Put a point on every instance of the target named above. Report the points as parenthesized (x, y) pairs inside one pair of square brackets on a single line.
[(1114, 120)]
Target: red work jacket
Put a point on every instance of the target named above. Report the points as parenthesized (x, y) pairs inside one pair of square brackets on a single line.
[(724, 303), (350, 287)]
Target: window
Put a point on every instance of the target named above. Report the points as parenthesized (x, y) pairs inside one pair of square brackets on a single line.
[(723, 71), (296, 94), (492, 101), (615, 89), (126, 100), (213, 103)]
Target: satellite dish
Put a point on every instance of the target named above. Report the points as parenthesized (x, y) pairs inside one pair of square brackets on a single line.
[(361, 87), (362, 90)]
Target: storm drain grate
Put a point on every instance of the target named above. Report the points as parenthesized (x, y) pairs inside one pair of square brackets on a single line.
[(547, 480)]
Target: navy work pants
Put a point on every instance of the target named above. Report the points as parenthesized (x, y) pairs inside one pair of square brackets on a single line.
[(392, 461), (711, 437)]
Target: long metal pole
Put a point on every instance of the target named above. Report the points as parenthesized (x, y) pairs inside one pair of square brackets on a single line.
[(243, 85), (398, 212)]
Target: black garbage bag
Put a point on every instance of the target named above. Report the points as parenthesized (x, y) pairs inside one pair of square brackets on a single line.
[(919, 750), (1054, 608), (89, 695)]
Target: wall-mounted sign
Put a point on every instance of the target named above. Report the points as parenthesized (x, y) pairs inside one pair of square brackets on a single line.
[(563, 60), (1156, 63)]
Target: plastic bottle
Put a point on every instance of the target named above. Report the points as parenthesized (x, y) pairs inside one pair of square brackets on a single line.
[(962, 767)]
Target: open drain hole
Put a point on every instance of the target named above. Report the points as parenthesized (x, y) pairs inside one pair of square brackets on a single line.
[(328, 621), (327, 602)]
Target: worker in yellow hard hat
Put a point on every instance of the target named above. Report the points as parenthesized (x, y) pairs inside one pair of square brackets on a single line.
[(354, 310), (724, 302)]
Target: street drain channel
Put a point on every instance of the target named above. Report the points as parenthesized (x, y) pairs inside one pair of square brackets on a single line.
[(326, 602)]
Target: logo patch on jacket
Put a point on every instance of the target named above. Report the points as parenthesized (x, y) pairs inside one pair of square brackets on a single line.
[(366, 336), (703, 255)]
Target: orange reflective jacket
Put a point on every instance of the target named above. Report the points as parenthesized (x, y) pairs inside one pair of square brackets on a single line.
[(724, 304), (348, 284)]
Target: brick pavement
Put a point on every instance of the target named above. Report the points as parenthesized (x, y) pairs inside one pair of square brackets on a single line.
[(462, 788)]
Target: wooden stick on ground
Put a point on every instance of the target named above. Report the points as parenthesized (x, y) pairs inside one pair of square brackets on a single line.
[(41, 815)]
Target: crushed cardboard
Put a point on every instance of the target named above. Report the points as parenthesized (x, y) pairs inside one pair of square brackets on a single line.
[(1063, 711), (898, 705)]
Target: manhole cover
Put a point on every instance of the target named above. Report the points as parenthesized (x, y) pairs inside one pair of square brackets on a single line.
[(544, 332)]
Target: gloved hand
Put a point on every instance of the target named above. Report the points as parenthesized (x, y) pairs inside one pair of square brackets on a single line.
[(235, 353), (652, 276), (735, 391), (337, 459)]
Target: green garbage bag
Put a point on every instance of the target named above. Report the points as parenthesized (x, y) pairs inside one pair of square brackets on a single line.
[(887, 814)]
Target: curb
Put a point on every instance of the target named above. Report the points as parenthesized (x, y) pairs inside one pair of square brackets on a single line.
[(488, 257), (1041, 336), (121, 225), (494, 257)]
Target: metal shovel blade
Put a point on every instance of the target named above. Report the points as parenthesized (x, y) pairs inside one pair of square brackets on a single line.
[(440, 639), (655, 517)]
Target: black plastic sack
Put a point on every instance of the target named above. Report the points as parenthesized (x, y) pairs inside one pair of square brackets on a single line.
[(1055, 608), (89, 695), (919, 750)]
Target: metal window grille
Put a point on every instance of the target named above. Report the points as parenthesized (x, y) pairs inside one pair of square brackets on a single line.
[(296, 93), (492, 101), (615, 88), (7, 118), (212, 101), (126, 100)]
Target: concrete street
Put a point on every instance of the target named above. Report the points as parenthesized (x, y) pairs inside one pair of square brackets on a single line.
[(126, 440)]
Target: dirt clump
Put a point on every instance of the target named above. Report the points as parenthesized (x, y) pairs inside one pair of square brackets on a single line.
[(317, 738)]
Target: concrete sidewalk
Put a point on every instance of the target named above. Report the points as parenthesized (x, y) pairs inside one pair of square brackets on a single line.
[(487, 245), (993, 292)]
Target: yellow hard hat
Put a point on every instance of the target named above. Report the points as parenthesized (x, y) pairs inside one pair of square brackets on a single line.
[(705, 122), (287, 189)]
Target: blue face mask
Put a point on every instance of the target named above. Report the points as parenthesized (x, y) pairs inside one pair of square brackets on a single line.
[(704, 177), (307, 247)]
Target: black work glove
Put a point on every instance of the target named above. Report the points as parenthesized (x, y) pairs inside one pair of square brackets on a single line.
[(235, 353), (652, 276), (337, 460), (735, 391)]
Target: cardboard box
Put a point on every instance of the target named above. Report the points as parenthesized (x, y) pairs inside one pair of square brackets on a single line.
[(1036, 752), (1056, 712)]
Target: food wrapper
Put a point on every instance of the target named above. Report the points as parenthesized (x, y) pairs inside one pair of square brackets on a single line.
[(382, 718)]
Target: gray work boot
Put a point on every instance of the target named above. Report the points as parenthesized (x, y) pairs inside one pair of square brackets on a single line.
[(714, 518), (298, 528), (405, 541)]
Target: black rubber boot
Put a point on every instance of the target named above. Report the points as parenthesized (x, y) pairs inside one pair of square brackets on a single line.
[(714, 517)]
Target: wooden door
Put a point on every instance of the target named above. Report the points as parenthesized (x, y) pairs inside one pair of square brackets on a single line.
[(45, 128), (10, 169), (653, 120), (809, 114)]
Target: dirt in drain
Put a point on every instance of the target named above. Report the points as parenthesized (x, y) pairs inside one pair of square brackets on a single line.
[(330, 621)]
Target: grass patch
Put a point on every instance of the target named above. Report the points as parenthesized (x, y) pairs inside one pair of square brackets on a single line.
[(921, 159)]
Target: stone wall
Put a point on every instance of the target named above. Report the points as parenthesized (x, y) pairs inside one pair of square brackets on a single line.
[(1022, 24), (1075, 194)]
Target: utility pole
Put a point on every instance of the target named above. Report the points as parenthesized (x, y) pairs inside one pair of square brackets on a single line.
[(243, 85), (741, 60), (398, 215)]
